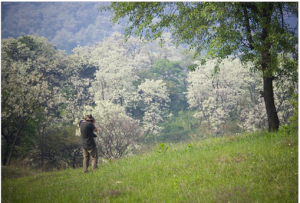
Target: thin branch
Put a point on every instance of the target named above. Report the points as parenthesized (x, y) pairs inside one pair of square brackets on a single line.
[(247, 24)]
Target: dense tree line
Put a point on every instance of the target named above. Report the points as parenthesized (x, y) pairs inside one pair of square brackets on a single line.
[(253, 32), (138, 92), (64, 24)]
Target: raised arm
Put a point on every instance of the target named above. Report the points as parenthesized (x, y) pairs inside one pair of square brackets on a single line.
[(94, 123)]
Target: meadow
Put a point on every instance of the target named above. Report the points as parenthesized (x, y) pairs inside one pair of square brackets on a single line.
[(255, 167)]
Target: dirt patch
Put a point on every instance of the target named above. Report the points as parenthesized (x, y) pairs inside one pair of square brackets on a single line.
[(239, 158), (235, 194), (227, 159), (223, 159), (288, 143), (111, 193)]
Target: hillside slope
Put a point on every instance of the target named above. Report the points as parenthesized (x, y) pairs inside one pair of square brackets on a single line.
[(64, 24), (258, 167)]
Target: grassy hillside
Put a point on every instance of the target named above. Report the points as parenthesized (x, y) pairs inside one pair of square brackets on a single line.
[(258, 167)]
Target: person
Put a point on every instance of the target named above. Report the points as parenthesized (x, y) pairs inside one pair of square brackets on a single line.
[(89, 149), (94, 135)]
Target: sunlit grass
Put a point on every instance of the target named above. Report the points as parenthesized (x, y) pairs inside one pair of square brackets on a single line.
[(258, 167)]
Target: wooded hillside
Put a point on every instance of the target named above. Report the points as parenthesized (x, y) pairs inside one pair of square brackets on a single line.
[(141, 91)]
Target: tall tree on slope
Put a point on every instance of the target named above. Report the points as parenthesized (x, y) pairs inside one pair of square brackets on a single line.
[(252, 31)]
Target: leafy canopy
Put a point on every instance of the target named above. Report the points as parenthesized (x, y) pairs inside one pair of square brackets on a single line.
[(222, 28)]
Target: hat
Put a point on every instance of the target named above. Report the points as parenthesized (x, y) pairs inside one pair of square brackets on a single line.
[(88, 117)]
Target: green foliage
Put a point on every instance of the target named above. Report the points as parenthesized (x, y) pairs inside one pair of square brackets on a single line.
[(58, 147), (294, 119), (214, 26), (162, 148), (188, 148), (27, 140), (32, 74), (244, 168), (172, 73), (179, 128), (24, 144), (30, 42), (174, 76), (292, 128)]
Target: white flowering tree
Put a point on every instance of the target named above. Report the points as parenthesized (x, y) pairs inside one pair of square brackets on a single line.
[(117, 64), (77, 93), (154, 101), (215, 95), (114, 79), (32, 76), (233, 94), (114, 64), (252, 118), (163, 50), (252, 32)]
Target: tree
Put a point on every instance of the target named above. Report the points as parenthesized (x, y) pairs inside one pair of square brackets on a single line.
[(32, 74), (174, 76), (57, 147), (77, 93), (232, 96), (154, 99), (252, 31), (115, 74), (217, 97)]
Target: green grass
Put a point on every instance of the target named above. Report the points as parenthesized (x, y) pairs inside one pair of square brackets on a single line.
[(258, 167)]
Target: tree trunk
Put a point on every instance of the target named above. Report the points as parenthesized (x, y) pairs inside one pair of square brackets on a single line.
[(273, 121), (74, 161), (12, 148), (23, 122), (5, 149), (268, 93), (41, 135), (5, 154)]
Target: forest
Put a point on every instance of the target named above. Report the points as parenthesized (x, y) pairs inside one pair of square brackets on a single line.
[(141, 92), (64, 24)]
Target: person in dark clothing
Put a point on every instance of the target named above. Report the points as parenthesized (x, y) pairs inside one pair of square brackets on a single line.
[(89, 149), (94, 135)]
